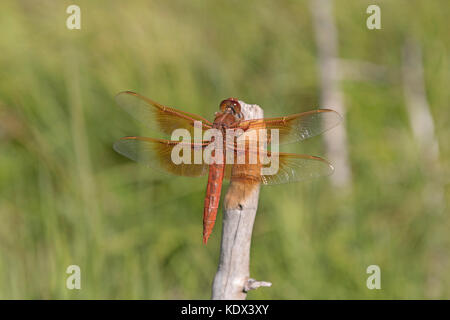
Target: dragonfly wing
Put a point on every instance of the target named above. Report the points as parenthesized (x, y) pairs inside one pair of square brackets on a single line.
[(161, 155), (157, 116), (295, 127), (290, 167)]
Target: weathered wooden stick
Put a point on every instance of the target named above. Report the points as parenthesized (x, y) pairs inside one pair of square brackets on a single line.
[(232, 280)]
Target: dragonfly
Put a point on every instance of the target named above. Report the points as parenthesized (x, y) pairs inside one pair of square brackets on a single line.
[(158, 153)]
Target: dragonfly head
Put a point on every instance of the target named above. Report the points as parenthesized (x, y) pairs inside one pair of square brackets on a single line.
[(231, 105)]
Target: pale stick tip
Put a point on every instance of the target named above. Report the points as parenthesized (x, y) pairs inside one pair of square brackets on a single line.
[(252, 284)]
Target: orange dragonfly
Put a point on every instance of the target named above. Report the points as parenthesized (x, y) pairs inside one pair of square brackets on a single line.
[(158, 153)]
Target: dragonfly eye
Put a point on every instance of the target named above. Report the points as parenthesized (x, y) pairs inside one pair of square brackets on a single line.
[(237, 107), (223, 105), (233, 104)]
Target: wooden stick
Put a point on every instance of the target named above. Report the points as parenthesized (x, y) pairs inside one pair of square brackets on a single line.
[(232, 280)]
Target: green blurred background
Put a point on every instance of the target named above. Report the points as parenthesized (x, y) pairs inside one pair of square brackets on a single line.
[(67, 198)]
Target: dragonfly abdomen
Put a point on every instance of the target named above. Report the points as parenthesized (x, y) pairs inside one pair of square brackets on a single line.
[(212, 198)]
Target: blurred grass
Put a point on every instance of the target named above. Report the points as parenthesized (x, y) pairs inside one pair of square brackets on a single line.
[(68, 198)]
